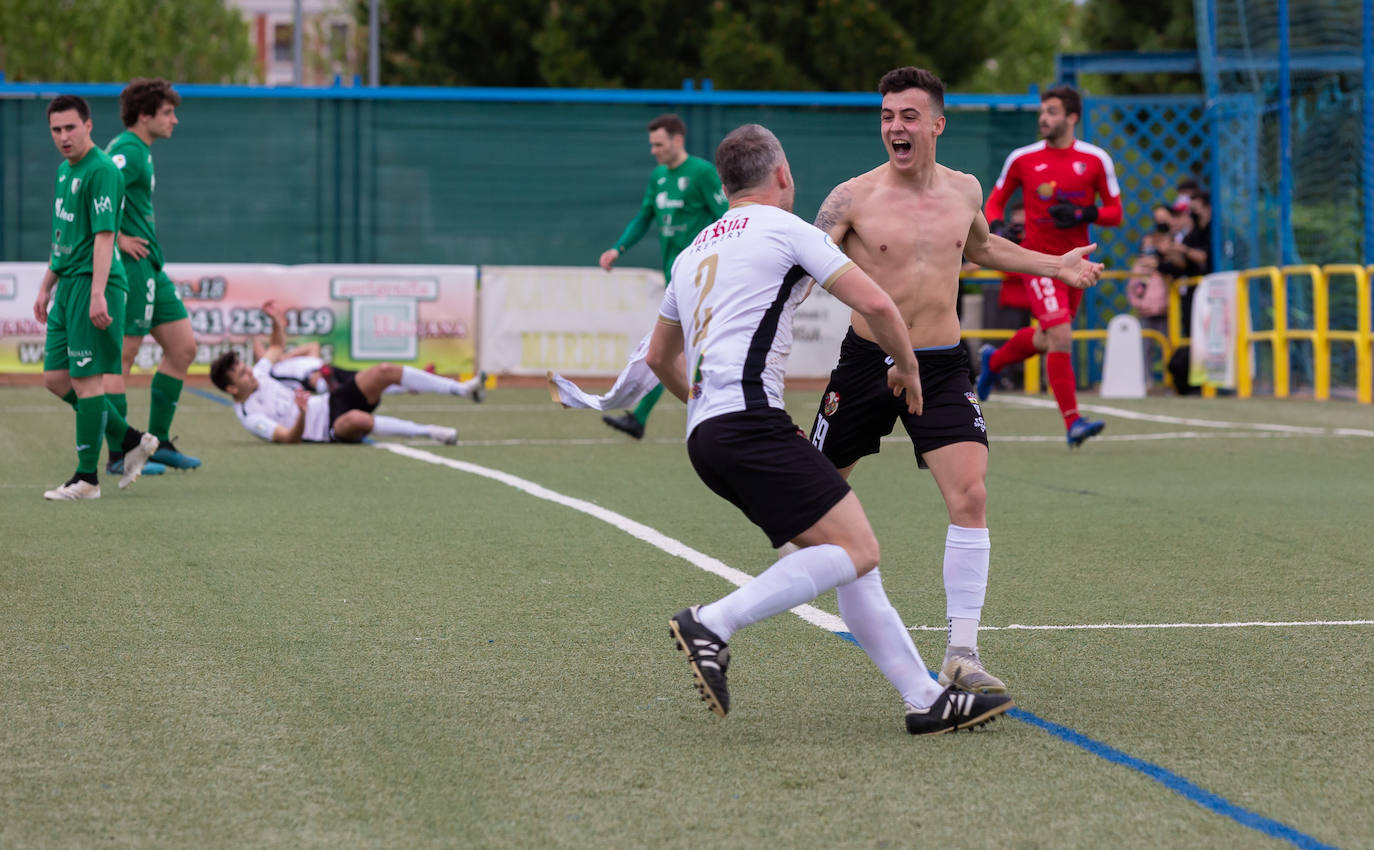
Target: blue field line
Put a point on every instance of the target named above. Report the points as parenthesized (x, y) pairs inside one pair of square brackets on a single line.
[(215, 397), (1190, 790)]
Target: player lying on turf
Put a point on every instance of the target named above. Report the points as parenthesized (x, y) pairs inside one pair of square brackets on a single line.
[(302, 367), (273, 411)]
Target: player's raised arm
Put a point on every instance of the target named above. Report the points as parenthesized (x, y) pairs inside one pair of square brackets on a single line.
[(276, 346)]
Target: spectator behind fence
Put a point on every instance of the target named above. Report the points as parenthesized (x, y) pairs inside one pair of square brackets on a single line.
[(1148, 293), (1195, 253)]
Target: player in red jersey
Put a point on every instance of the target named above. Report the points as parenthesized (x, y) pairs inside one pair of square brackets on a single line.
[(1061, 179)]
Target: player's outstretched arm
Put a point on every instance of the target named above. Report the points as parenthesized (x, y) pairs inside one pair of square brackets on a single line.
[(665, 358), (991, 251)]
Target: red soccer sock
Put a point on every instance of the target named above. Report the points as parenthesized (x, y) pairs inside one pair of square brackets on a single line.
[(1060, 367), (1018, 348)]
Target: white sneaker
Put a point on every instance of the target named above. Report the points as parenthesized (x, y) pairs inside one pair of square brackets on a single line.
[(440, 434), (73, 491), (136, 457)]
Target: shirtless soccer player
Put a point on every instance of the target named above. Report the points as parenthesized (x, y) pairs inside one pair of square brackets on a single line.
[(908, 223)]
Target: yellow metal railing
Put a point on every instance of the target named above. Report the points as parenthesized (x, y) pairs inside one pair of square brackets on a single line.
[(1361, 335), (1321, 335)]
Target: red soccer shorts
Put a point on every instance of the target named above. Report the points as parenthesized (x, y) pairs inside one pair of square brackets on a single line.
[(1050, 301)]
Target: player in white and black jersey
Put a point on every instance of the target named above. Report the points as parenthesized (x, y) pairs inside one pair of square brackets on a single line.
[(281, 413), (729, 309)]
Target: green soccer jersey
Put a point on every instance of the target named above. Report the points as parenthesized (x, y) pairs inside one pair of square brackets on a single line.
[(681, 201), (89, 199), (135, 162)]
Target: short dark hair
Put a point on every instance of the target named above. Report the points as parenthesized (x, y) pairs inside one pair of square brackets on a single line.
[(670, 122), (143, 96), (1188, 184), (901, 79), (1200, 195), (223, 368), (63, 102), (1068, 95), (746, 156)]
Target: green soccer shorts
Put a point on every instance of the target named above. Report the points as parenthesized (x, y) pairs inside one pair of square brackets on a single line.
[(74, 344), (153, 298)]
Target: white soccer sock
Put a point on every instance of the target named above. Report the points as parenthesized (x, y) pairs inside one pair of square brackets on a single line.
[(423, 382), (795, 580), (390, 426), (967, 551), (879, 629)]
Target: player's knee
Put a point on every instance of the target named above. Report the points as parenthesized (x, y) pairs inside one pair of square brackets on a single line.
[(1059, 338), (353, 426), (968, 504), (181, 354), (57, 383), (864, 552)]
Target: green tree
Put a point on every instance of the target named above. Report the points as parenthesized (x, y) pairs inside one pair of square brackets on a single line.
[(835, 45), (459, 42), (189, 41), (1124, 25)]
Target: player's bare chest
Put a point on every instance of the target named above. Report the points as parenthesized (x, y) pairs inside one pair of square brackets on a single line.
[(905, 224)]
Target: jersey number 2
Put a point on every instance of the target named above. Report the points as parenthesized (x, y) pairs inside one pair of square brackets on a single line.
[(704, 280)]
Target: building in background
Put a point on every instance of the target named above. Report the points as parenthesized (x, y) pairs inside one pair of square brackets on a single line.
[(331, 40)]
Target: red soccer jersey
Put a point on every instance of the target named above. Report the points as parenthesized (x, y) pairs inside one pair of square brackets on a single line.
[(1078, 174)]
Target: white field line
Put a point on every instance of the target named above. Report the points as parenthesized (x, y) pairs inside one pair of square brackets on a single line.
[(1121, 413), (676, 548), (654, 538)]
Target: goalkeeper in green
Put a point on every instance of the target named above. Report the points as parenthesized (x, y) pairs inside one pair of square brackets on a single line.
[(683, 196)]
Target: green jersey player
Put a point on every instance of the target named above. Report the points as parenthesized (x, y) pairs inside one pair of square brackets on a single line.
[(148, 110), (81, 299), (683, 196)]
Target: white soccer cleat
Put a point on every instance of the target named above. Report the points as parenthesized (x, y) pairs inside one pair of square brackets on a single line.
[(73, 491), (446, 436), (136, 457)]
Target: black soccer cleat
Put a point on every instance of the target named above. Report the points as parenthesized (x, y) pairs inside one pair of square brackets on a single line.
[(954, 710), (626, 423), (708, 655)]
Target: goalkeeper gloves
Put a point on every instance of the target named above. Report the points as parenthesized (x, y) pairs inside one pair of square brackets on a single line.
[(1066, 214)]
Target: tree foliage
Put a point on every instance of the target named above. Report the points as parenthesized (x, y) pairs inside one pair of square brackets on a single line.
[(836, 45), (1160, 26), (189, 41)]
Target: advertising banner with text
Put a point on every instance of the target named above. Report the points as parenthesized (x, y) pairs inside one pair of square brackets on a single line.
[(585, 322), (360, 315)]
